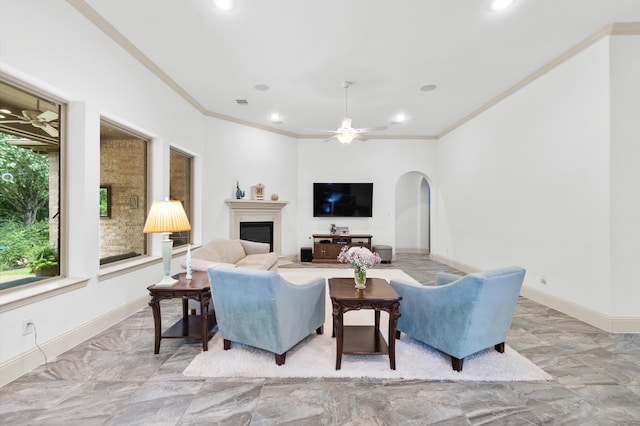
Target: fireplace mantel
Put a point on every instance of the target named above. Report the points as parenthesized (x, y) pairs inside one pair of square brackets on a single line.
[(256, 211), (256, 204)]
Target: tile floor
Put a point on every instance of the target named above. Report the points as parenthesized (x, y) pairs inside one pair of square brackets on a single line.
[(115, 379)]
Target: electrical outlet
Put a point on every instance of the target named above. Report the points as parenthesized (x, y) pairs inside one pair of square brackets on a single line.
[(27, 327)]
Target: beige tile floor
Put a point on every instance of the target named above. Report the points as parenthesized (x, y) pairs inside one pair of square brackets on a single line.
[(115, 379)]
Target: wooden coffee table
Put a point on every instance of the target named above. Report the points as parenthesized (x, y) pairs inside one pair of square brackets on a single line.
[(190, 326), (363, 339)]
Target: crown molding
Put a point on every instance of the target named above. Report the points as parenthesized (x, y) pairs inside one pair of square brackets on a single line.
[(621, 28), (614, 29)]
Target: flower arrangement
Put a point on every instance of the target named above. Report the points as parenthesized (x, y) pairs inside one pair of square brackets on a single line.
[(358, 257)]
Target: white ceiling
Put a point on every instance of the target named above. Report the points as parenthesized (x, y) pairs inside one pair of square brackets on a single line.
[(304, 49)]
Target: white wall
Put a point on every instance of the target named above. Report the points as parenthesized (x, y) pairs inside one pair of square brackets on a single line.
[(380, 161), (249, 156), (529, 181), (86, 70), (625, 174)]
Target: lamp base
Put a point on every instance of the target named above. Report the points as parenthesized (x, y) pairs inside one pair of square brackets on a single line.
[(166, 282)]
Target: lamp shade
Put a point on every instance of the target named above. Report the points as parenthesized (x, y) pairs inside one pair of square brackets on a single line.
[(166, 216)]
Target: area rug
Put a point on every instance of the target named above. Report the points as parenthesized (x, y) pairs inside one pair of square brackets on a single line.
[(316, 355)]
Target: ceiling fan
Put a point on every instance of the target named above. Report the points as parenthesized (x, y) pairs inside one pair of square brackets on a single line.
[(42, 120), (345, 133)]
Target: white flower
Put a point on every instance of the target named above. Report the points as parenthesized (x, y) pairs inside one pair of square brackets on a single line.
[(358, 257)]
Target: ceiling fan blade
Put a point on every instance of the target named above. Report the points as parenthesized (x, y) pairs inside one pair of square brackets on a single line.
[(14, 121), (30, 115), (52, 131), (325, 131), (371, 129), (328, 139), (48, 116)]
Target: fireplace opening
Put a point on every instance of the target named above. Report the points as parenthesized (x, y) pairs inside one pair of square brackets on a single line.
[(260, 232)]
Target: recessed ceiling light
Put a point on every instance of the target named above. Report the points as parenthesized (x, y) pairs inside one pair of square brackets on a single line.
[(275, 118), (399, 118), (261, 87), (428, 87), (223, 4), (501, 4)]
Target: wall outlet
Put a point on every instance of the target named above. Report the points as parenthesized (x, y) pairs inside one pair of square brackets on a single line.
[(27, 327)]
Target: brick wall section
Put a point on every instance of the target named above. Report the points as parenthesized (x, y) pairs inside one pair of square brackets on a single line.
[(54, 198), (180, 189), (123, 165)]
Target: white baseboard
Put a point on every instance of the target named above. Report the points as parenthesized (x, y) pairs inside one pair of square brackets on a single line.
[(27, 361), (405, 250), (594, 318), (582, 313)]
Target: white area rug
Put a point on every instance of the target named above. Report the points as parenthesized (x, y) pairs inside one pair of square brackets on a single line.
[(316, 355)]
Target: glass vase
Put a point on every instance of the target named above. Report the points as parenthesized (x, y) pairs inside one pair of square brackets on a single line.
[(360, 277)]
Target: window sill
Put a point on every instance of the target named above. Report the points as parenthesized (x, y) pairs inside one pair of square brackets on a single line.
[(114, 269), (29, 293)]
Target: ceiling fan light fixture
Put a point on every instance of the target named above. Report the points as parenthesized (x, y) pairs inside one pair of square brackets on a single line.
[(345, 138)]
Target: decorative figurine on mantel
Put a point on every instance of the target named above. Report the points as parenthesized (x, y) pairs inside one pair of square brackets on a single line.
[(258, 192), (239, 192)]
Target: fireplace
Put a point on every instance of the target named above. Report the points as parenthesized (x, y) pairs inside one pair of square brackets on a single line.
[(242, 212), (260, 232)]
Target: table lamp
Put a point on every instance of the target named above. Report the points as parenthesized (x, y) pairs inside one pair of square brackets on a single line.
[(164, 218)]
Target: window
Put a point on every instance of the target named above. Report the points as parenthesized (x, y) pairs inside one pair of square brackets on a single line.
[(123, 183), (29, 186), (180, 166)]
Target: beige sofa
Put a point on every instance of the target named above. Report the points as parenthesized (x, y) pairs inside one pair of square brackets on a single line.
[(238, 253)]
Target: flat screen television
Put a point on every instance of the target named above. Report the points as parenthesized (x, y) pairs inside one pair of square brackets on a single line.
[(342, 199)]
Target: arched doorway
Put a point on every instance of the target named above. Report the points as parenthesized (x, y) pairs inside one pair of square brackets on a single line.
[(412, 214)]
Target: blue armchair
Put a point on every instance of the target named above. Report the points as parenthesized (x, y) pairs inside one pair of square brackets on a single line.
[(461, 315), (262, 309)]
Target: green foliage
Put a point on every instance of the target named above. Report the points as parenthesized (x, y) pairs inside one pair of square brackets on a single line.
[(19, 242), (44, 257), (25, 191)]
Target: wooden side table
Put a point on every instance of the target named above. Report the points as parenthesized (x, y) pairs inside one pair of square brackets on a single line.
[(359, 339), (189, 326)]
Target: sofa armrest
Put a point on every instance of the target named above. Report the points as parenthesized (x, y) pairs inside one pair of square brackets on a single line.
[(252, 247)]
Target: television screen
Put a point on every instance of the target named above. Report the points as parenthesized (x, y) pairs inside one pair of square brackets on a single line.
[(343, 199)]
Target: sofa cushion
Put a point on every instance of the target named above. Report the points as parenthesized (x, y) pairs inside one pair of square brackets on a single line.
[(265, 261), (252, 247)]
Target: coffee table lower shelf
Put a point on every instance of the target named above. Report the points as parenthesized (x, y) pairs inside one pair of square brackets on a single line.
[(363, 340)]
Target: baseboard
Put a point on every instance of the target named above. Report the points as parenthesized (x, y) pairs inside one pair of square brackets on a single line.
[(594, 318), (454, 263), (406, 250), (27, 361), (584, 314)]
